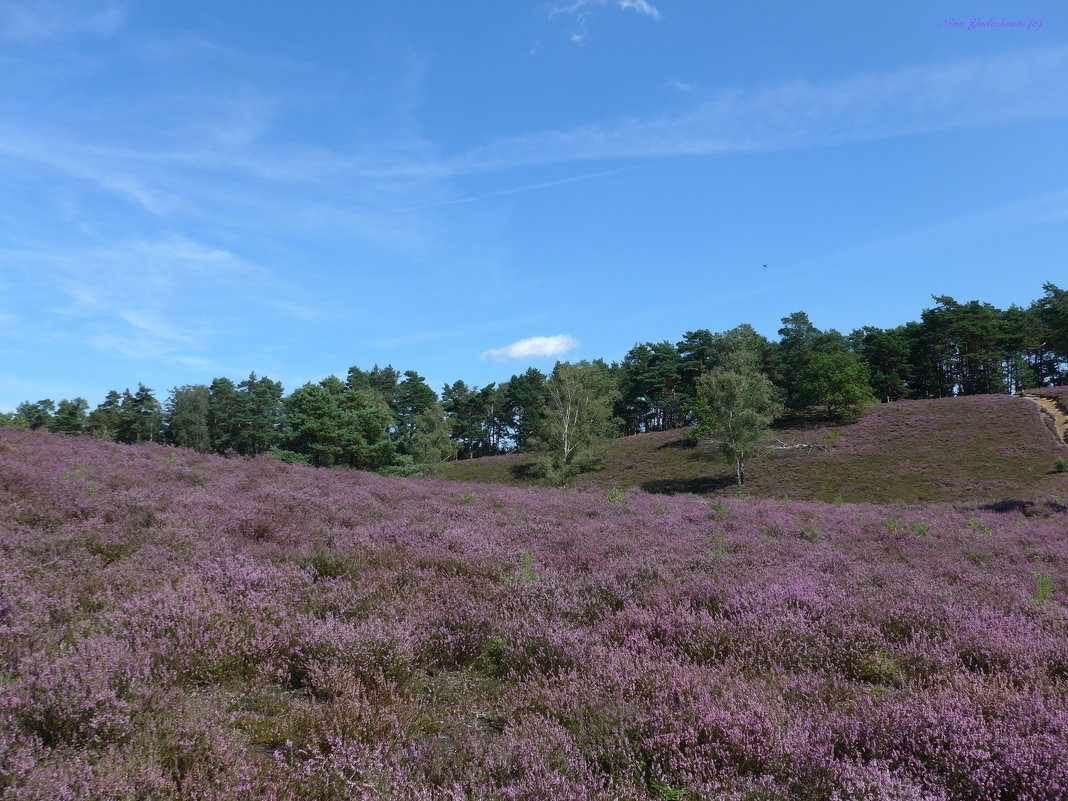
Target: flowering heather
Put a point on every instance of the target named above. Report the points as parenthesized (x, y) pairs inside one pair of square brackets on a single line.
[(1057, 393), (183, 626)]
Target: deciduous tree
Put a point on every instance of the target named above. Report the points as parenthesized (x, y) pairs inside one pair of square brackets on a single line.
[(578, 418), (737, 405), (837, 381), (186, 417)]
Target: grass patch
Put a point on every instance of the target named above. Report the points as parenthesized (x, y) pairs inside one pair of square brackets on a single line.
[(981, 447)]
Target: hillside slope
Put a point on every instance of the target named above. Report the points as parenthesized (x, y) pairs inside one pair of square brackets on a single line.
[(980, 447), (1054, 401), (178, 626)]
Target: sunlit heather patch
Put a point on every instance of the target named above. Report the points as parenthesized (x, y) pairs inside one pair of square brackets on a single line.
[(175, 625)]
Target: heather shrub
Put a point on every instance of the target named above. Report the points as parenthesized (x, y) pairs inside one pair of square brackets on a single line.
[(328, 565), (277, 632), (83, 693)]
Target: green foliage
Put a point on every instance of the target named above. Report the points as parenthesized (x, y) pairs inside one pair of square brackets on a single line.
[(1043, 588), (968, 342), (291, 457), (578, 420), (921, 529), (720, 551), (70, 417), (1051, 315), (1061, 466), (886, 353), (427, 438), (837, 381), (474, 419), (106, 419), (187, 413), (140, 417), (799, 343), (403, 467), (737, 404), (34, 415), (657, 391), (335, 426), (246, 417), (524, 398), (490, 660), (110, 552), (667, 792), (553, 474), (616, 495), (880, 669), (526, 566), (329, 565)]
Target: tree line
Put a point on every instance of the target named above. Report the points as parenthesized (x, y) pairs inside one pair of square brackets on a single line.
[(382, 419)]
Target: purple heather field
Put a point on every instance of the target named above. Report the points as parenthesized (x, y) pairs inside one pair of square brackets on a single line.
[(183, 626)]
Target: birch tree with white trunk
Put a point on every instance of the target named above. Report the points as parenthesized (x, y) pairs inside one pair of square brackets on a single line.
[(737, 405)]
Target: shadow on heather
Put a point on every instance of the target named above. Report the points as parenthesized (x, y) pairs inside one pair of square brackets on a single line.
[(697, 486), (1027, 508)]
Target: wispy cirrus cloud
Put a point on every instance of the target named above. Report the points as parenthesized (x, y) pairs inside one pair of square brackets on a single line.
[(48, 20), (1013, 87), (227, 172), (518, 189), (167, 299), (533, 348)]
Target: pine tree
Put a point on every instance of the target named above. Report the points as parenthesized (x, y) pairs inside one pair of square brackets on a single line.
[(106, 419), (70, 417), (35, 415), (333, 426)]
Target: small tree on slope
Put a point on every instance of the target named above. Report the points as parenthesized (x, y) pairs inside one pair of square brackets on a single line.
[(737, 405)]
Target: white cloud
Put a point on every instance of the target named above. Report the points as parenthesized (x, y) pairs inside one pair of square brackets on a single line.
[(682, 86), (533, 347), (641, 6)]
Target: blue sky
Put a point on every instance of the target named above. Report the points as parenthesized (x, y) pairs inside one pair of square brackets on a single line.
[(194, 189)]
